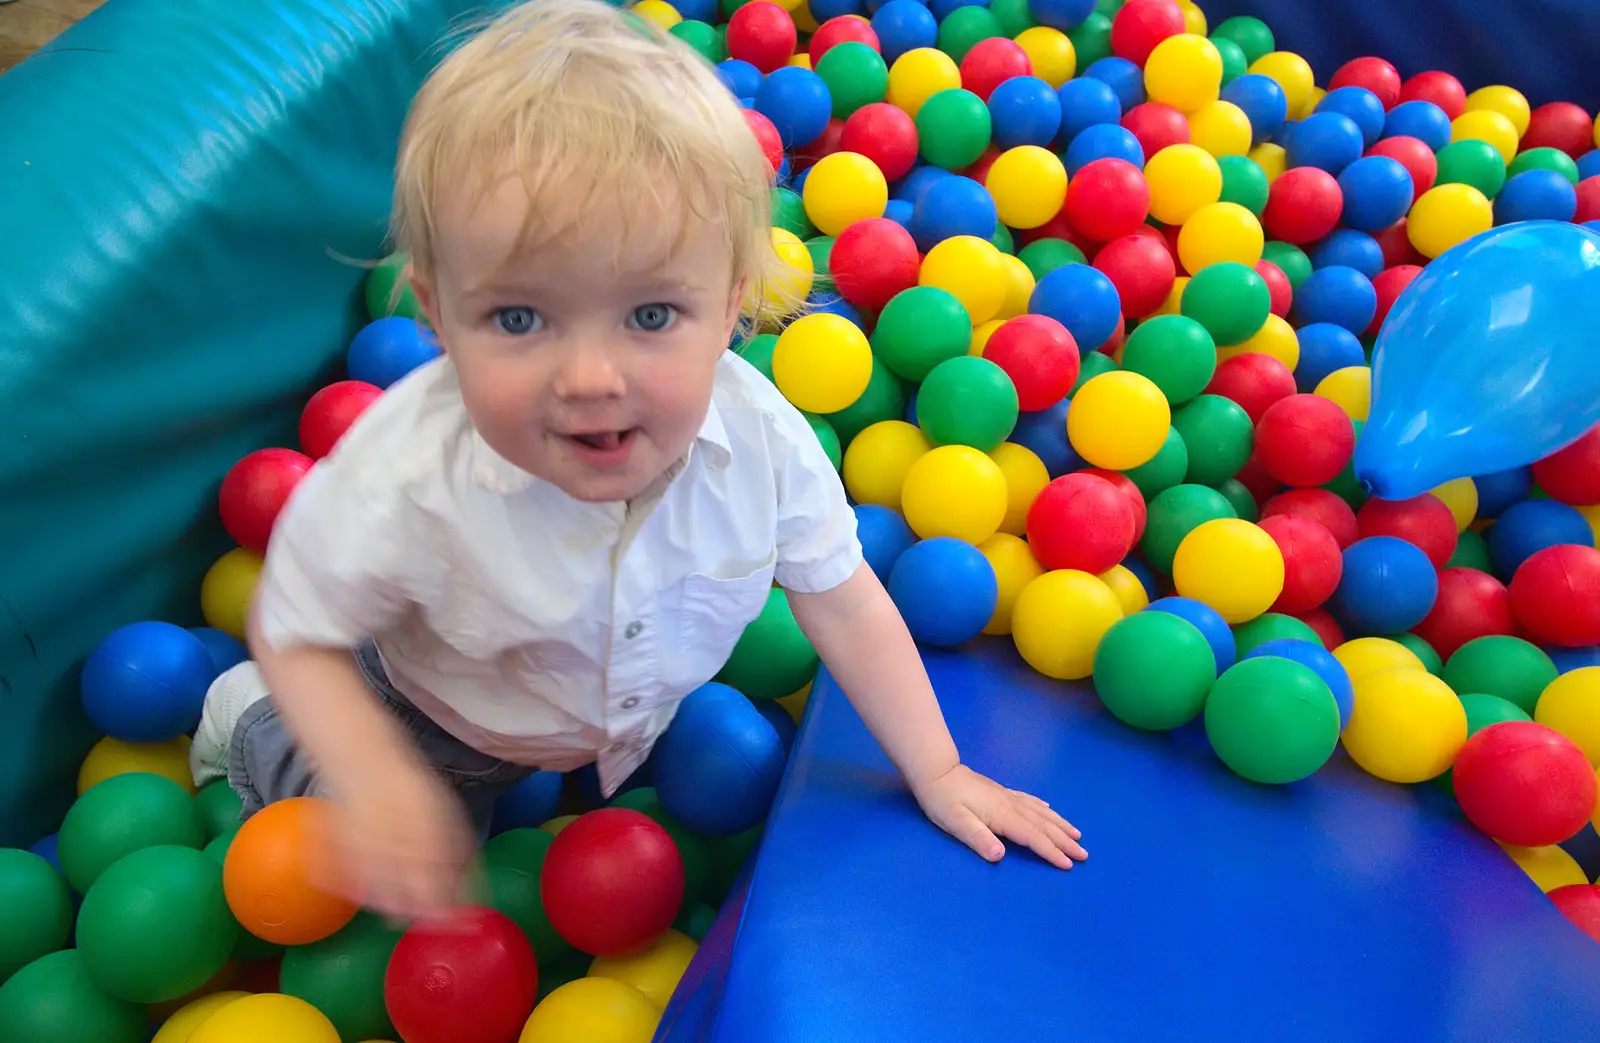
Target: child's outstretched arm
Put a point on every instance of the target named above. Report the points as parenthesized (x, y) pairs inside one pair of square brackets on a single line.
[(863, 640)]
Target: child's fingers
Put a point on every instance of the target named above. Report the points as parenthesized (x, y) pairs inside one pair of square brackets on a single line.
[(1047, 839), (971, 831)]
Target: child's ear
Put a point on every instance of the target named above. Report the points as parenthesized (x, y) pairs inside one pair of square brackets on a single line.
[(423, 289), (735, 308)]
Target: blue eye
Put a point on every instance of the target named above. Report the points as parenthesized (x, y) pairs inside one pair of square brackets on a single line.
[(653, 318), (517, 320)]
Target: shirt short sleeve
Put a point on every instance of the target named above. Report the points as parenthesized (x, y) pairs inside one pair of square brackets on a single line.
[(818, 547)]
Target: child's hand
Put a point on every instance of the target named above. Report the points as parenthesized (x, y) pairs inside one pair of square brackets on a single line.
[(974, 809)]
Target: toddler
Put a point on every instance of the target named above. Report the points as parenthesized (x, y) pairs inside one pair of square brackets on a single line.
[(526, 553)]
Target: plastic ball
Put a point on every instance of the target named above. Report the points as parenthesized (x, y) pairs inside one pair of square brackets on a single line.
[(884, 536), (772, 657), (1446, 215), (1172, 515), (1388, 586), (1535, 195), (972, 270), (1153, 670), (1231, 565), (878, 459), (1293, 74), (1262, 101), (1175, 353), (1423, 521), (1304, 440), (1155, 127), (1572, 474), (1311, 560), (1321, 661), (146, 682), (269, 871), (254, 492), (1230, 300), (53, 1000), (227, 588), (1222, 129), (1303, 205), (269, 1018), (1470, 604), (387, 349), (1272, 720), (182, 1024), (1318, 505), (1040, 357), (1524, 783), (36, 910), (1182, 179), (872, 260), (1014, 568), (1118, 420), (1141, 25), (1406, 725), (1549, 867), (1555, 593), (797, 102), (1219, 636), (1080, 298), (123, 814), (1051, 55), (1080, 521), (478, 960), (956, 491), (946, 590), (329, 413), (1107, 199), (902, 27), (594, 1009), (716, 768), (920, 328), (1328, 141), (843, 188), (1533, 525), (1570, 704), (1252, 381), (1374, 74), (822, 362), (1059, 619), (1086, 102), (1184, 71)]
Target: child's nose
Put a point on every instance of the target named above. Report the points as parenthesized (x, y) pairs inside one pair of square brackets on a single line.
[(589, 370)]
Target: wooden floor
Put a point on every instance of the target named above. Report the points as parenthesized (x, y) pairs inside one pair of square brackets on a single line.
[(27, 25)]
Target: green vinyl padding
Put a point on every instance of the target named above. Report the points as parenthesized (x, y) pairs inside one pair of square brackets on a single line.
[(184, 187)]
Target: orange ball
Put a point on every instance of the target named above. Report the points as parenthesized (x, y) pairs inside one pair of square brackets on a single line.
[(269, 871)]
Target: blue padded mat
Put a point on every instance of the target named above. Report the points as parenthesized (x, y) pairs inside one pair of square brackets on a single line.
[(1340, 908)]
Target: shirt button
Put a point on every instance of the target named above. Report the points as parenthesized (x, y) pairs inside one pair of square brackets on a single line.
[(630, 702), (633, 631)]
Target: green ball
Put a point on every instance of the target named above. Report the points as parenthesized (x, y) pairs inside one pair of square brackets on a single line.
[(1014, 16), (1345, 485), (828, 438), (1153, 670), (1515, 670), (1002, 239), (919, 328), (856, 77), (1171, 515), (508, 866), (342, 975), (695, 920), (1229, 299), (964, 28), (52, 1000), (1472, 162), (1175, 352), (217, 848), (520, 849), (386, 295), (1422, 650), (1165, 469), (1544, 159), (728, 856), (1091, 40), (1109, 8), (704, 38), (1272, 720), (692, 848), (1244, 183), (1219, 436), (35, 910), (820, 247), (1290, 259), (1482, 711), (967, 401), (248, 946), (1243, 503), (884, 399), (772, 658), (758, 352), (1472, 552), (156, 925), (1043, 256), (122, 815), (1091, 366), (218, 809), (1271, 626), (789, 213), (1234, 64), (953, 126), (1250, 34)]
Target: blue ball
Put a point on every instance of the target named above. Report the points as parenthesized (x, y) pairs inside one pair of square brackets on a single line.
[(1123, 77), (900, 212), (910, 415), (146, 682), (1262, 100), (1328, 140), (953, 206), (945, 589), (1045, 432), (1024, 110), (780, 720), (1321, 661), (797, 102), (1103, 141), (1570, 659), (884, 535), (718, 764), (1363, 109), (1325, 347), (1530, 526), (742, 78), (1422, 120), (1340, 295), (1589, 164), (1498, 491), (1387, 587), (529, 803), (696, 10), (1348, 248), (1377, 192), (1536, 195), (1065, 15), (1208, 621), (1086, 103), (1082, 299), (226, 651), (941, 9), (385, 350), (904, 25), (920, 178), (822, 10), (46, 848), (833, 304)]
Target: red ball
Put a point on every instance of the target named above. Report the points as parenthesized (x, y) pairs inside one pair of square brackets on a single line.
[(1040, 357), (825, 144), (763, 34), (1156, 126), (1253, 380), (1130, 490), (1119, 337), (331, 411), (883, 133), (1415, 156), (990, 63), (1142, 271), (254, 493), (1257, 482), (1141, 24), (258, 975), (1571, 474), (1107, 200), (1562, 125), (1325, 508), (1312, 563), (1555, 593), (1303, 205), (612, 882), (479, 961), (872, 260), (1395, 242), (979, 170), (1327, 628), (1278, 286), (766, 135), (1588, 200), (1440, 88), (1375, 74), (1080, 521), (1470, 604), (1422, 521), (1305, 440), (1523, 783), (1579, 903), (842, 29), (1389, 285)]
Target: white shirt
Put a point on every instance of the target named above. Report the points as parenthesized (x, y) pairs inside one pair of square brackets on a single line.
[(532, 626)]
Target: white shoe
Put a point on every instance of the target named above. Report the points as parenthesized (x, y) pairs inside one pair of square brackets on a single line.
[(230, 695)]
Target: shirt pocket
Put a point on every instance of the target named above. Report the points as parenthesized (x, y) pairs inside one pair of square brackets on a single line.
[(714, 610)]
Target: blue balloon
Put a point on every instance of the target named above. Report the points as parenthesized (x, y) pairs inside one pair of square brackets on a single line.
[(1319, 659), (1224, 649), (946, 590), (1486, 361), (884, 535)]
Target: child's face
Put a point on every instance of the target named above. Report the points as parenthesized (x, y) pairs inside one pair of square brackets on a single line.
[(592, 378)]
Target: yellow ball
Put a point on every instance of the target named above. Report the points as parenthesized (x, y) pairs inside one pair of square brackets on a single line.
[(822, 362), (181, 1026), (1231, 565), (1293, 74), (785, 292), (1445, 215), (1275, 337), (800, 61), (954, 490), (1182, 179), (971, 269), (1194, 19), (594, 1010), (1315, 99), (1184, 71), (918, 75), (1350, 389), (1571, 705), (660, 12), (653, 970), (555, 825), (1174, 302), (268, 1017), (795, 702), (108, 757), (804, 20), (841, 189), (1591, 514), (1014, 568), (1059, 619), (1019, 286), (1368, 655), (1126, 586), (1118, 420), (981, 335), (877, 459), (1050, 52), (1549, 867), (1272, 159), (1406, 725), (1028, 184), (1461, 496), (1026, 476), (1221, 128), (1220, 232), (1487, 125), (1507, 101), (227, 589)]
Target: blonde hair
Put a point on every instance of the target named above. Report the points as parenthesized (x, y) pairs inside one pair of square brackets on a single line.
[(603, 116)]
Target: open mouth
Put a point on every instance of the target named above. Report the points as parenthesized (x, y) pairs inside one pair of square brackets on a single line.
[(604, 441)]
